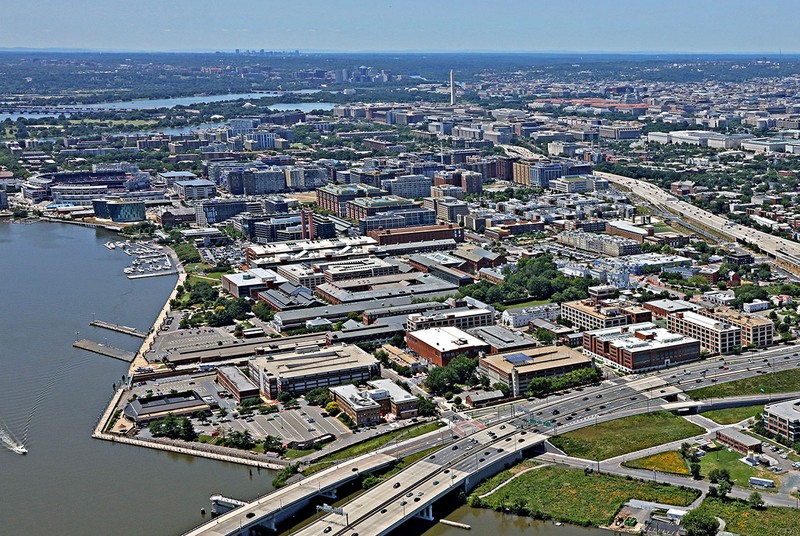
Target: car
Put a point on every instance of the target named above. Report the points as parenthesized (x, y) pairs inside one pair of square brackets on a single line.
[(396, 485), (569, 417), (383, 511), (446, 471), (585, 398), (587, 409), (602, 407), (455, 447), (508, 439), (699, 380), (310, 420), (503, 427), (556, 412), (327, 530), (599, 396), (410, 494), (482, 460), (416, 499)]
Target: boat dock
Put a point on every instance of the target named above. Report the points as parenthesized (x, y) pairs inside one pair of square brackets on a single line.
[(133, 332), (102, 349), (151, 274)]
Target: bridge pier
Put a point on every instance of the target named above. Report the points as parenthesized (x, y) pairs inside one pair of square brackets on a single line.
[(426, 513), (328, 493)]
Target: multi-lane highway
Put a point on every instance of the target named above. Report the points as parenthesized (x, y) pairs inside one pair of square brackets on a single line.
[(780, 248), (640, 393)]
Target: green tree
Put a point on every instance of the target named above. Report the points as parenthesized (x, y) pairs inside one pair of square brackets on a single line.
[(723, 488), (694, 469), (319, 396), (755, 500), (699, 523), (427, 408), (332, 408)]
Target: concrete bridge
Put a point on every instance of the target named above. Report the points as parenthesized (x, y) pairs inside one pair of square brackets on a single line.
[(267, 511), (410, 493)]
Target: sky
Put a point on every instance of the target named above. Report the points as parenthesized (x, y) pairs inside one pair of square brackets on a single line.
[(693, 26)]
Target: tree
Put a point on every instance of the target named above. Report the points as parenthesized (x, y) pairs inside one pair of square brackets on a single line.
[(755, 500), (724, 488), (544, 336), (318, 396), (685, 450), (699, 523), (694, 468), (427, 408), (332, 408)]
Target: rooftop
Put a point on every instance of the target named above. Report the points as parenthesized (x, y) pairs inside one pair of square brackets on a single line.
[(447, 339), (789, 409), (535, 360), (642, 336), (304, 361)]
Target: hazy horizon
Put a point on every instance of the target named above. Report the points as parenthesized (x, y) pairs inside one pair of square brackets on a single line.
[(738, 27)]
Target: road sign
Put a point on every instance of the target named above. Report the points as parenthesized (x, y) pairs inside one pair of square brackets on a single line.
[(331, 510)]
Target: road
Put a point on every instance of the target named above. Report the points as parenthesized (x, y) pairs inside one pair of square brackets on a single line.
[(780, 248)]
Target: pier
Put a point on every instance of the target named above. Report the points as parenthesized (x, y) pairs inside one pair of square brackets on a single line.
[(102, 349), (133, 332)]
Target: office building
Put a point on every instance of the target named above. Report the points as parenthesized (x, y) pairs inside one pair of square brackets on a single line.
[(334, 197), (521, 317), (421, 233), (460, 318), (395, 219), (783, 419), (439, 346), (517, 369), (639, 347), (715, 336), (615, 246), (756, 331), (591, 314), (236, 383), (305, 368), (363, 207), (408, 186), (196, 189), (220, 210)]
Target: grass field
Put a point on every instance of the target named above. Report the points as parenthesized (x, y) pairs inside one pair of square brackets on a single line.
[(743, 520), (666, 462), (629, 434), (530, 303), (776, 382), (491, 483), (377, 442), (572, 496), (725, 459), (733, 415)]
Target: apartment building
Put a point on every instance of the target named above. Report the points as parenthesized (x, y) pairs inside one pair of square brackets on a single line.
[(593, 314), (462, 319)]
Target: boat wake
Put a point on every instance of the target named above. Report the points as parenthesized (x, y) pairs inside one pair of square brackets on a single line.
[(11, 443)]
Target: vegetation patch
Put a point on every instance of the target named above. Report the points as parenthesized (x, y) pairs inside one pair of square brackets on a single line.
[(578, 497), (733, 415), (739, 472), (629, 434), (377, 442), (743, 519), (776, 382), (665, 462)]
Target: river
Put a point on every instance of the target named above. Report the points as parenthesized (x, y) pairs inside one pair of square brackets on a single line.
[(56, 279), (152, 104)]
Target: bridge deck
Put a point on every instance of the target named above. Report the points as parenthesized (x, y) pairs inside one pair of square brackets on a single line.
[(389, 504), (233, 522)]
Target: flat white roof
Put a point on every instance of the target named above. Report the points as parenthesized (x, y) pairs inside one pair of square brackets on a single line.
[(447, 339)]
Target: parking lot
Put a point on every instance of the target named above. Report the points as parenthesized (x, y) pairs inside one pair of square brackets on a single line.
[(291, 425), (177, 339)]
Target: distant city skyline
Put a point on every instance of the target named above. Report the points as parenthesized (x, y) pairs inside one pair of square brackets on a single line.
[(640, 26)]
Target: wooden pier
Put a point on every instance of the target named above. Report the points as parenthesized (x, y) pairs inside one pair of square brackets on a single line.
[(102, 349), (133, 332)]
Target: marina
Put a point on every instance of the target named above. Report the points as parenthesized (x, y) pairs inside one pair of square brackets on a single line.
[(149, 260)]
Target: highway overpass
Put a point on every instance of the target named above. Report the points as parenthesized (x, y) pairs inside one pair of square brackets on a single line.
[(786, 252)]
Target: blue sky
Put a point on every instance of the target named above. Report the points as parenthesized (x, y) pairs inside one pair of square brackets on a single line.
[(394, 25)]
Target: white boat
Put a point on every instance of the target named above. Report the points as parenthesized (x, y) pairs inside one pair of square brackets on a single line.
[(20, 450)]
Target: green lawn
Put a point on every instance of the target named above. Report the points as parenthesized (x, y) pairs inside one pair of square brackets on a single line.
[(629, 434), (293, 454), (776, 382), (666, 462), (491, 483), (572, 496), (375, 443), (530, 303), (725, 459), (743, 520), (733, 415)]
